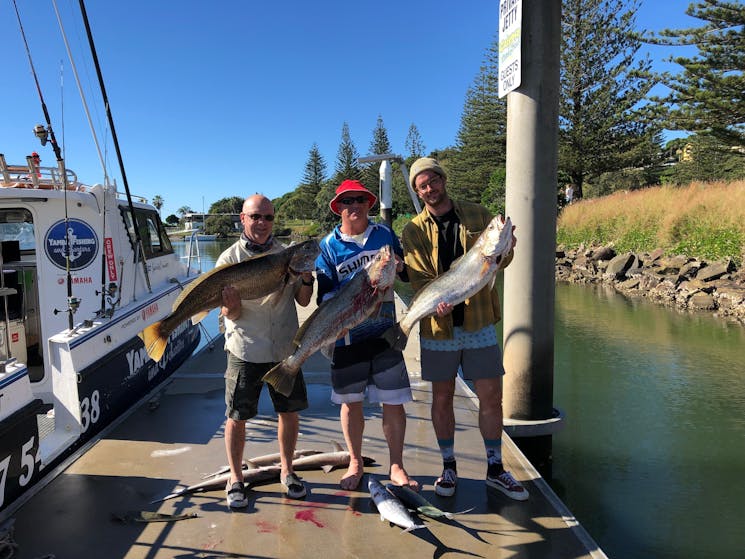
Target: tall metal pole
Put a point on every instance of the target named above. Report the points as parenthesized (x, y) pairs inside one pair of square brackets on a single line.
[(532, 131)]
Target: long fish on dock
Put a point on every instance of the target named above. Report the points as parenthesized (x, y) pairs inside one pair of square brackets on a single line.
[(250, 476), (327, 461), (254, 278), (356, 300), (466, 277), (265, 460)]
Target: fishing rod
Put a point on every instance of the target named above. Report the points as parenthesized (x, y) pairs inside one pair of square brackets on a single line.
[(104, 288), (44, 135), (138, 238)]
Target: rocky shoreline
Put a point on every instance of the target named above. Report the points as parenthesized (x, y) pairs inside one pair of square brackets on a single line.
[(675, 281)]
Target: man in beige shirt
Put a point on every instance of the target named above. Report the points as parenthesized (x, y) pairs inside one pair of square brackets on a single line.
[(258, 335)]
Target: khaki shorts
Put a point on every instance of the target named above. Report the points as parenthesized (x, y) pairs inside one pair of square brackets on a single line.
[(474, 364)]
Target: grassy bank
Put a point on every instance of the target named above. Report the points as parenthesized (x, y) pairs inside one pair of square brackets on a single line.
[(705, 220)]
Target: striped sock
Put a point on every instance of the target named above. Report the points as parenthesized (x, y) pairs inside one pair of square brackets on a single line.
[(493, 451)]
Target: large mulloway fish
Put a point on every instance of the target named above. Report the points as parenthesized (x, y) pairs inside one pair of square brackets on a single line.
[(390, 508), (357, 299), (254, 278), (466, 277)]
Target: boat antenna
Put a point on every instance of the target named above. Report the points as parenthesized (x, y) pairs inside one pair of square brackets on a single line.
[(138, 238), (45, 135), (104, 289)]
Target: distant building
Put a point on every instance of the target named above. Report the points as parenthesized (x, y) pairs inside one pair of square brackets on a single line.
[(195, 221)]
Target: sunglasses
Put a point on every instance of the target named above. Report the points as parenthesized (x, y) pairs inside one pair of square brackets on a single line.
[(352, 199), (257, 217)]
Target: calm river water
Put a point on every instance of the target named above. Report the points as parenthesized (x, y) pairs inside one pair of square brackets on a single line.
[(651, 460)]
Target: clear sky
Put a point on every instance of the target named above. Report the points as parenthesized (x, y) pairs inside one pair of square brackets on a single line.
[(226, 98)]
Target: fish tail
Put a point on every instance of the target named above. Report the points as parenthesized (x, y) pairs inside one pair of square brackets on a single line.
[(281, 377), (396, 337), (155, 342)]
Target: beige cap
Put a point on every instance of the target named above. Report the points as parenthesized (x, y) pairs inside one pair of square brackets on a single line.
[(425, 164)]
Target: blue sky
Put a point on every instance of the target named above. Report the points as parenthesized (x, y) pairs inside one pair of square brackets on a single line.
[(226, 98)]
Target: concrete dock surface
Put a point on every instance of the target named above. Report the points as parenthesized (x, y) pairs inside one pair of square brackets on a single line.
[(92, 508)]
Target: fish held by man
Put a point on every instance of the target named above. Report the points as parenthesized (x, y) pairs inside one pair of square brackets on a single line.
[(254, 278), (390, 508), (357, 299), (466, 277), (414, 501)]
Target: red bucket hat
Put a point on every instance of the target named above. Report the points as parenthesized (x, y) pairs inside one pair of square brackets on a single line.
[(350, 187)]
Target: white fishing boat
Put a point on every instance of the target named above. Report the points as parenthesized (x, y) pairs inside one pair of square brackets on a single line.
[(70, 359)]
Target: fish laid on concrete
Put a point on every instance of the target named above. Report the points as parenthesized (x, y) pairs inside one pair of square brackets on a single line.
[(327, 461), (254, 278), (414, 501), (357, 299), (264, 460), (390, 508), (466, 277), (250, 477)]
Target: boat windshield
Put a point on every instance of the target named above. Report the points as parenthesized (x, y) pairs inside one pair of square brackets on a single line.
[(16, 224)]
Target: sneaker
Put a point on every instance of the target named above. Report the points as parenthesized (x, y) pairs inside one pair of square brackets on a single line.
[(294, 488), (445, 484), (236, 494), (502, 480)]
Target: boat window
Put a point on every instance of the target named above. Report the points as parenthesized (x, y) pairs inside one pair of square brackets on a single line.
[(16, 224), (152, 231)]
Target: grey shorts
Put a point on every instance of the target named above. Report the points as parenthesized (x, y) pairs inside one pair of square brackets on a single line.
[(369, 368), (475, 364), (243, 386)]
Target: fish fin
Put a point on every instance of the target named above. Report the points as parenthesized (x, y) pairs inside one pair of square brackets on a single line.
[(282, 378), (248, 465), (197, 318), (395, 337), (414, 527), (155, 343), (450, 515), (327, 468), (337, 447)]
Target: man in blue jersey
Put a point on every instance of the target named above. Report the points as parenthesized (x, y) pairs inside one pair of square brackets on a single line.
[(363, 363)]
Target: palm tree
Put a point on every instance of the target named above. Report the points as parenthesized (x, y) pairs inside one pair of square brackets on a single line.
[(158, 202), (183, 210)]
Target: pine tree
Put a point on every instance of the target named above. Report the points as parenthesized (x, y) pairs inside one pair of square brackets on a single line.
[(303, 202), (603, 83), (480, 145), (414, 145), (378, 146), (347, 167), (707, 96)]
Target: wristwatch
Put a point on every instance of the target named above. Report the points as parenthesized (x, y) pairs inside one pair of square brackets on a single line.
[(308, 283)]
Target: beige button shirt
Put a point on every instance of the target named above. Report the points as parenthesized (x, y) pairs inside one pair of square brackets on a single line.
[(265, 330)]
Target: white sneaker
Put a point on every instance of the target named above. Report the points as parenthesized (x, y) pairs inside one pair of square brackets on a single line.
[(445, 484), (508, 485), (236, 495)]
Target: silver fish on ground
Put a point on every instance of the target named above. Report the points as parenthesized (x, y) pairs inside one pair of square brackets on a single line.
[(264, 460), (390, 508), (466, 277), (357, 299), (327, 461), (414, 501), (254, 278), (250, 477)]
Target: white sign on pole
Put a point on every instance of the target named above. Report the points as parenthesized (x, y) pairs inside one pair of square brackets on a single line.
[(510, 32)]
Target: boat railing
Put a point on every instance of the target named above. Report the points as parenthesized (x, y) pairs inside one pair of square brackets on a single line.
[(36, 176), (192, 252)]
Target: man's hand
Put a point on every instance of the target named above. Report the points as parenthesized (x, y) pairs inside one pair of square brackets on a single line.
[(444, 309), (231, 303)]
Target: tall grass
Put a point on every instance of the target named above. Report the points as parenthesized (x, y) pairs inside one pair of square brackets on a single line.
[(705, 220)]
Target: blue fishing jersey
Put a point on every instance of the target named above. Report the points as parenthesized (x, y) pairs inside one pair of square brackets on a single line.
[(340, 258)]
